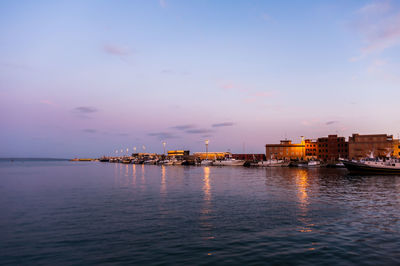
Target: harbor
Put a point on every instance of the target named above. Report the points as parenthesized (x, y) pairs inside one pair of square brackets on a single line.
[(374, 153)]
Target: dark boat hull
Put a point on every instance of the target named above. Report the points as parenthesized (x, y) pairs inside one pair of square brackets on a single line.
[(358, 168)]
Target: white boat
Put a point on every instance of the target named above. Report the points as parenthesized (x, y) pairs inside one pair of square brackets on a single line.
[(206, 162), (310, 164), (272, 163), (176, 162), (228, 162), (150, 162), (313, 164)]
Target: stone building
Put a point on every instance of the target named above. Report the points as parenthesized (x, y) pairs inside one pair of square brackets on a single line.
[(376, 145), (285, 150)]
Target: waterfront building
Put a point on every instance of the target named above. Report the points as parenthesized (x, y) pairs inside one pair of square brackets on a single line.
[(377, 145), (332, 148), (285, 150), (178, 154), (396, 148), (311, 149), (211, 155), (246, 156)]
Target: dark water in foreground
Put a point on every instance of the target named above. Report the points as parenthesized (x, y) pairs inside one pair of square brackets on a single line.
[(92, 213)]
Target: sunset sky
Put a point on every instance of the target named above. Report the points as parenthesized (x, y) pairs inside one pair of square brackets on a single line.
[(84, 78)]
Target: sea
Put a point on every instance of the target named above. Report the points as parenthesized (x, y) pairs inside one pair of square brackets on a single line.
[(57, 212)]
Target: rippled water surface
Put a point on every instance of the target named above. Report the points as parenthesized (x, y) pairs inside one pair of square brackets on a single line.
[(92, 213)]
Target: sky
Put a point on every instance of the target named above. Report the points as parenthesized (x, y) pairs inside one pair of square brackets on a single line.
[(87, 78)]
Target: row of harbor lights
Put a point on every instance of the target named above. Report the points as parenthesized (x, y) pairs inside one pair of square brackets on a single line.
[(127, 150), (163, 143)]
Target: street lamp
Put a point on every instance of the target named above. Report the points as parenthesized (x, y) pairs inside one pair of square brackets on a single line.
[(164, 143), (134, 149), (206, 142)]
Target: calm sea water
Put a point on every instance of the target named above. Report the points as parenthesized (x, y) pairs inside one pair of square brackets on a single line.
[(60, 212)]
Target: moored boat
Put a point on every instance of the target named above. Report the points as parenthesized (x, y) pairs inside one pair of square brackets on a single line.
[(126, 160), (273, 163), (228, 162), (373, 166), (206, 162), (104, 159)]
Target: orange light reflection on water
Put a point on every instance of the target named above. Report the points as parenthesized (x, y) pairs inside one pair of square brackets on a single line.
[(206, 186), (163, 180), (302, 184), (134, 175)]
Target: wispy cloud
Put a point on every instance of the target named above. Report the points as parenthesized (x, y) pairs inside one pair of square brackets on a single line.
[(249, 93), (90, 130), (379, 25), (48, 102), (228, 85), (85, 110), (163, 135), (258, 95), (163, 3), (184, 127), (331, 122), (224, 124), (198, 131), (267, 17), (16, 66), (167, 71), (116, 50)]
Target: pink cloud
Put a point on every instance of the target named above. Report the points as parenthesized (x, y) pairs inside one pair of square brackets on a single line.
[(228, 86), (47, 102), (163, 4), (116, 50), (379, 25)]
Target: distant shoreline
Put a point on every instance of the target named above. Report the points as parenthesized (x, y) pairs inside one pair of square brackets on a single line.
[(33, 159)]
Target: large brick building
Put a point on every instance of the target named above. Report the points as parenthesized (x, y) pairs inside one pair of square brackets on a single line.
[(332, 148), (329, 148)]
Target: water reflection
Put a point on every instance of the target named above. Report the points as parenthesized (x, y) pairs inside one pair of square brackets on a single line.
[(134, 175), (143, 172), (163, 188), (302, 185), (206, 186), (205, 219)]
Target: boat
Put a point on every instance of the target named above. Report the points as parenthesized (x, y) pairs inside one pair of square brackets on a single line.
[(151, 161), (373, 166), (335, 165), (126, 160), (228, 162), (313, 164), (104, 159), (273, 163), (206, 162)]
